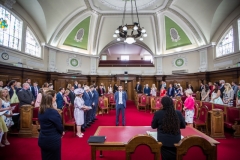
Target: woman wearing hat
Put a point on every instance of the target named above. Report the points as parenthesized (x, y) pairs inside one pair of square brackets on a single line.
[(79, 110)]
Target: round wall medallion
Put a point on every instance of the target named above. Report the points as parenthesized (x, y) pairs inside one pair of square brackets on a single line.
[(179, 62), (5, 56), (74, 62)]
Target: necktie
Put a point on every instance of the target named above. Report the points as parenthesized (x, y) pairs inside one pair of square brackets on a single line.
[(36, 91)]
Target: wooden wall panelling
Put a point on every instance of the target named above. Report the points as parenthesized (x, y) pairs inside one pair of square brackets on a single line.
[(228, 75)]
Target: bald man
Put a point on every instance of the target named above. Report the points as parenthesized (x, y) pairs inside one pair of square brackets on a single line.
[(25, 95)]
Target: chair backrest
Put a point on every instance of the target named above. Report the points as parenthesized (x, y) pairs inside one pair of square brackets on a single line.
[(208, 104), (157, 102), (35, 112), (222, 107), (196, 110), (65, 114), (111, 98), (203, 114), (143, 99), (71, 110), (138, 140), (208, 149), (101, 102), (233, 114), (178, 105)]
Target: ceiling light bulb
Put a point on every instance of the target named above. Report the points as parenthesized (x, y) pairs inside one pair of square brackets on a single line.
[(130, 40), (118, 39), (145, 35), (114, 35), (117, 31), (143, 30), (135, 28), (124, 28), (141, 39)]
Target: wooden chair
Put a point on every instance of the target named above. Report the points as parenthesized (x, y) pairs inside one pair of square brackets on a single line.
[(178, 105), (143, 140), (208, 149), (196, 111), (102, 106), (156, 104), (202, 119), (233, 120), (208, 104), (143, 103), (35, 115), (67, 121), (112, 101), (16, 109)]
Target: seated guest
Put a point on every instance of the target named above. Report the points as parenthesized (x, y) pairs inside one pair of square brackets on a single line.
[(170, 91), (35, 89), (228, 95), (205, 93), (168, 122), (189, 107), (25, 95), (79, 108), (163, 92), (147, 90), (216, 95), (238, 96), (66, 99), (154, 90), (51, 128), (60, 98)]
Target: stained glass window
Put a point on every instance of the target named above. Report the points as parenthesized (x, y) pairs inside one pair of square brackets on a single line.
[(32, 46), (11, 35), (226, 45)]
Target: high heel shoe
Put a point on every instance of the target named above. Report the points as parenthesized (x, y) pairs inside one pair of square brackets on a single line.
[(80, 136), (1, 145)]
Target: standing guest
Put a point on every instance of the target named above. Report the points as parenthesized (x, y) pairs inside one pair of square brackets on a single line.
[(93, 100), (51, 128), (163, 92), (3, 126), (110, 89), (25, 95), (76, 85), (13, 92), (18, 87), (168, 122), (147, 90), (138, 87), (201, 87), (175, 86), (228, 95), (189, 107), (72, 95), (154, 90), (35, 89), (221, 87), (205, 93), (45, 87), (79, 108), (7, 117), (178, 91), (238, 96), (95, 103), (60, 98), (50, 86), (216, 95), (69, 86), (66, 99), (190, 87), (1, 85), (88, 103), (115, 88), (171, 91), (210, 84), (121, 99), (235, 89), (101, 91), (79, 86), (39, 98), (28, 80)]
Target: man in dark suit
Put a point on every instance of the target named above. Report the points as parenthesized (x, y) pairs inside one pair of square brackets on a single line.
[(25, 96), (170, 91), (147, 90), (72, 95), (101, 91), (121, 98), (87, 102), (75, 84), (59, 99), (35, 89), (95, 97), (28, 80), (138, 87), (222, 88)]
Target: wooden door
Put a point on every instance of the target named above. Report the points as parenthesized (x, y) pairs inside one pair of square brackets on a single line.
[(128, 87)]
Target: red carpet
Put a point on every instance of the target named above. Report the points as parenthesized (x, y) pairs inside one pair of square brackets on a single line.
[(74, 148)]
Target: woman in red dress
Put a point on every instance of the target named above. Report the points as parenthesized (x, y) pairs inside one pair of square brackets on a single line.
[(163, 92)]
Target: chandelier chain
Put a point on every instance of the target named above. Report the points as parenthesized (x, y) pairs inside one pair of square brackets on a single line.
[(124, 13), (137, 13)]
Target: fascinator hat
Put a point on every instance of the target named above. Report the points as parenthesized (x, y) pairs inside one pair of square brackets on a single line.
[(78, 91)]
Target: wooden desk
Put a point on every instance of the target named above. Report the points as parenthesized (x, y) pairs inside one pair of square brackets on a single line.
[(118, 136)]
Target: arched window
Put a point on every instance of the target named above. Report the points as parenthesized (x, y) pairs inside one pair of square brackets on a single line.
[(32, 46), (11, 29), (226, 44)]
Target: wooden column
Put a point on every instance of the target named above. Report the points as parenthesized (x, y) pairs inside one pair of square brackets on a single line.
[(25, 121), (216, 123)]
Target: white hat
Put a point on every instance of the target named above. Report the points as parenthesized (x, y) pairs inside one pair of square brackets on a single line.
[(78, 91)]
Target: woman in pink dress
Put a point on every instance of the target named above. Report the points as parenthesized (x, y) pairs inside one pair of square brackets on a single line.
[(79, 110), (189, 107)]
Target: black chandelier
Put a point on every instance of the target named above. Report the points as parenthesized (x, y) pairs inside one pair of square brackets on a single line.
[(130, 32)]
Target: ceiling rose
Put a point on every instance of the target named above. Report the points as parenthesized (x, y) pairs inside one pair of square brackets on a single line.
[(119, 4)]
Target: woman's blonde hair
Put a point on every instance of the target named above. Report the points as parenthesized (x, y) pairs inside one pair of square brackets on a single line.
[(189, 91), (153, 86), (47, 100), (67, 91), (4, 98), (228, 87)]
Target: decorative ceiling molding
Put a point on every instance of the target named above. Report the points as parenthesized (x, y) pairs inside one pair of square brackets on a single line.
[(96, 35), (9, 3)]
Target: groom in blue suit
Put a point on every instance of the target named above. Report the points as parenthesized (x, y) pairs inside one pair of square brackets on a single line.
[(120, 98)]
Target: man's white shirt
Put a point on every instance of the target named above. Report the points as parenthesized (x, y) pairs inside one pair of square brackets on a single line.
[(120, 98)]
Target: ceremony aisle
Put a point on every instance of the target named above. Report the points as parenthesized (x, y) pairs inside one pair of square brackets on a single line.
[(74, 148)]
